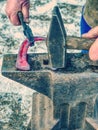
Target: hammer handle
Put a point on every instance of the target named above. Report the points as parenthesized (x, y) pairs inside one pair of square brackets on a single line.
[(78, 43)]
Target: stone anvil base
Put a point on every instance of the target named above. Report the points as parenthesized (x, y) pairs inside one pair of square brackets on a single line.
[(64, 97)]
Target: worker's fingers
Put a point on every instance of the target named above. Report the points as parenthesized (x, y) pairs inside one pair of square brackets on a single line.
[(12, 7), (93, 51), (25, 11), (14, 19), (93, 33)]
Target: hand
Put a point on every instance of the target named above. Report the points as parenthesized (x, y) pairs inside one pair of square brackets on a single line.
[(93, 51), (12, 8)]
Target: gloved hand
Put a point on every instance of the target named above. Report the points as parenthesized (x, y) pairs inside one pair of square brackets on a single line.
[(93, 51), (12, 8)]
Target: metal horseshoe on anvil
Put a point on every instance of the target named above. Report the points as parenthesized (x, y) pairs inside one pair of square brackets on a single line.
[(21, 62), (57, 43)]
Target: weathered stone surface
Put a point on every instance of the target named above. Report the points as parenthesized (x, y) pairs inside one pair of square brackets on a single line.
[(13, 118)]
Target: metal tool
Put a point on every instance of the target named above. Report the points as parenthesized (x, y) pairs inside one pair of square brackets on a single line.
[(26, 29), (58, 42), (22, 59)]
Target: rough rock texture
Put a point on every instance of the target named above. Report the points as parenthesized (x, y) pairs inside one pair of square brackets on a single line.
[(11, 115)]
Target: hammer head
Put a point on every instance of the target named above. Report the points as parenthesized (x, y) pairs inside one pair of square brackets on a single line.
[(56, 41)]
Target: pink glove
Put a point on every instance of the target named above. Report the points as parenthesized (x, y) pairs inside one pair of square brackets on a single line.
[(12, 8)]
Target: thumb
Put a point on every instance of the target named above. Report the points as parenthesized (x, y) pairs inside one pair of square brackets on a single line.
[(93, 33), (14, 19), (93, 51)]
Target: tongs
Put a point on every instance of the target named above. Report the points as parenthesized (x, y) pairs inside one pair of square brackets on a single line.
[(26, 29)]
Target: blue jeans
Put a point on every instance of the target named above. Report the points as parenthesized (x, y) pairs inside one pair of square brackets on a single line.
[(84, 27)]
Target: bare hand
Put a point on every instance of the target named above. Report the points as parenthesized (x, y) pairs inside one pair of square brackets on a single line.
[(93, 51), (12, 8)]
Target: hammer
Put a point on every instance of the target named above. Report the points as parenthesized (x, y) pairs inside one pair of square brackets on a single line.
[(58, 41)]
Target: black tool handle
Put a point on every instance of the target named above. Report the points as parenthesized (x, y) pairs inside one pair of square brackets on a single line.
[(21, 19), (20, 15)]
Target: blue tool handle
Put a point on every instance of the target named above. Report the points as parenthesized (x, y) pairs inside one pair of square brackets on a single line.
[(84, 51)]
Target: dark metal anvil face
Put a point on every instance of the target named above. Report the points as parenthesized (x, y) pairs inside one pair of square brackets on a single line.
[(72, 90), (40, 77)]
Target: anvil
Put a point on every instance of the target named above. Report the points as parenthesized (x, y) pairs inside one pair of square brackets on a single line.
[(64, 97)]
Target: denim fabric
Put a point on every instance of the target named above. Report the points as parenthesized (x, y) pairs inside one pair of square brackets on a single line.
[(84, 27)]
